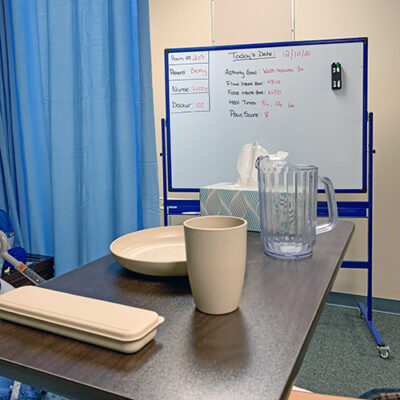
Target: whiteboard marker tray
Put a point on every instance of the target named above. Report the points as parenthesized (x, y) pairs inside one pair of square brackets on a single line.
[(115, 326), (157, 251)]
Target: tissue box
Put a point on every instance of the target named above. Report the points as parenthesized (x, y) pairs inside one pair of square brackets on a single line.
[(228, 199)]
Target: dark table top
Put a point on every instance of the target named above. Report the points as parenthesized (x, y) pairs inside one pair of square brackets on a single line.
[(252, 353)]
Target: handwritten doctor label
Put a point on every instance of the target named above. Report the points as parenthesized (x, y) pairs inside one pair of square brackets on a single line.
[(188, 82)]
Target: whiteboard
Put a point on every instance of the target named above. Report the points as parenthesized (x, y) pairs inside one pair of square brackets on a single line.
[(278, 94)]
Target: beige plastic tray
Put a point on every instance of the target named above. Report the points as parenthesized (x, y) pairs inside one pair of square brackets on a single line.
[(115, 326)]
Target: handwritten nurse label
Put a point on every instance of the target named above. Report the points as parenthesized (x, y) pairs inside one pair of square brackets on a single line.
[(188, 82)]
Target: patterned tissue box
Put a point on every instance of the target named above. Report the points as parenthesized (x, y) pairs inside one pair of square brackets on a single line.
[(226, 199)]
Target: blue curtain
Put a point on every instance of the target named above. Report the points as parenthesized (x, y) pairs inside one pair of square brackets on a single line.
[(78, 164)]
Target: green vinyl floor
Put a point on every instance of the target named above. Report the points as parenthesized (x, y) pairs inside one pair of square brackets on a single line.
[(342, 358)]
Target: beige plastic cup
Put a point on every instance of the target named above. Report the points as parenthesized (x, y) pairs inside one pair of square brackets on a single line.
[(216, 261)]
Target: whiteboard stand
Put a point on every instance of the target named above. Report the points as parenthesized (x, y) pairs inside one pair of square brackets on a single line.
[(366, 312), (164, 173), (363, 209)]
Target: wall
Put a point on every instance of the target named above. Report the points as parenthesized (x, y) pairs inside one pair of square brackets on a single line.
[(187, 23)]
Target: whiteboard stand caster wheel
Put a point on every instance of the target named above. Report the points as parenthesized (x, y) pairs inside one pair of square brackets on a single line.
[(383, 351)]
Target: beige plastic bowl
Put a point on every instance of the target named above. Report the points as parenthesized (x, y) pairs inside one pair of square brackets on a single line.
[(156, 251)]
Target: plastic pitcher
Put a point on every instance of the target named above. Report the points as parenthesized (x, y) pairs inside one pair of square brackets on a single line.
[(288, 207)]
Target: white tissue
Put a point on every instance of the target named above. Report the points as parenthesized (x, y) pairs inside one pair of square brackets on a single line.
[(247, 160)]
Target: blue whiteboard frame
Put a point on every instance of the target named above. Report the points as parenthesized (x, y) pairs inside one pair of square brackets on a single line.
[(364, 40)]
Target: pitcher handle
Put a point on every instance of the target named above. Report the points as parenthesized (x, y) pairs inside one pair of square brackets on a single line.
[(332, 206)]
